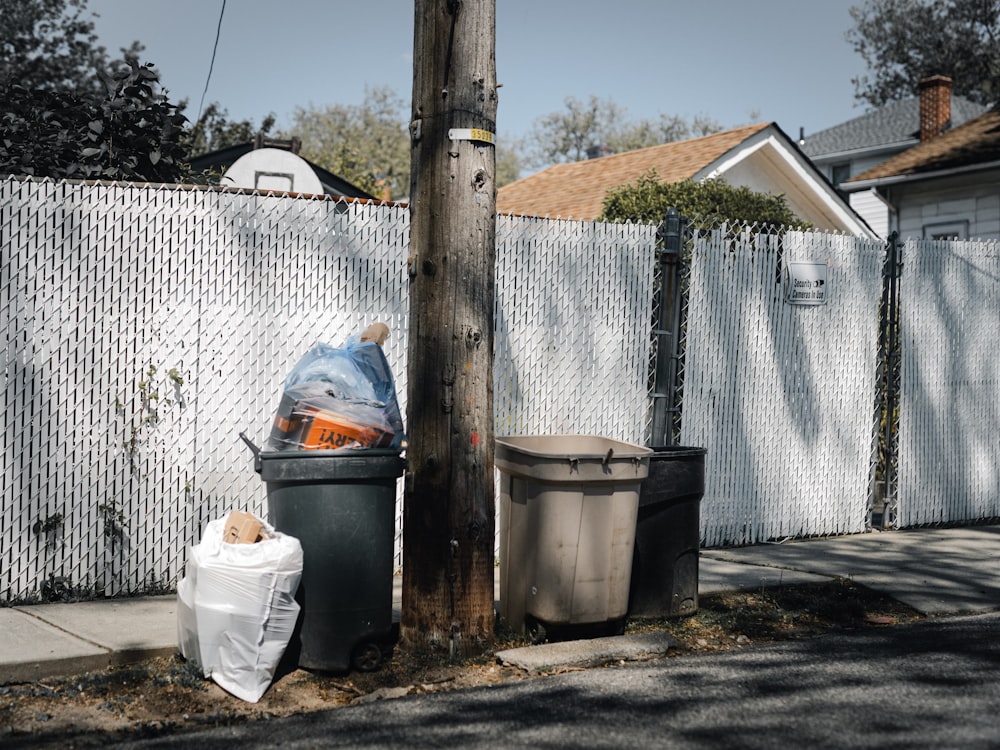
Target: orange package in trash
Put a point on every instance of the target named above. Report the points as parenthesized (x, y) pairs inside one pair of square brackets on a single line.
[(327, 431)]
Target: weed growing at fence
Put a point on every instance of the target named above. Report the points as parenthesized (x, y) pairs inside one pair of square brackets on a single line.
[(153, 398)]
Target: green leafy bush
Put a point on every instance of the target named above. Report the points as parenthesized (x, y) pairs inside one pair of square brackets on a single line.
[(705, 204)]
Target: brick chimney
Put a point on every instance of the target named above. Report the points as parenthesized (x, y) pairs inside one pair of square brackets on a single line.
[(935, 106)]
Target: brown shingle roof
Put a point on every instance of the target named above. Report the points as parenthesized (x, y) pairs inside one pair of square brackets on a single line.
[(975, 142), (577, 190)]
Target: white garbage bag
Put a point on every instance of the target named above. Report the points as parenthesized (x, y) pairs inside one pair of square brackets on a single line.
[(236, 608)]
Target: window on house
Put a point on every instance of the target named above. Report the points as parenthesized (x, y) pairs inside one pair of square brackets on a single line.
[(955, 230), (839, 173)]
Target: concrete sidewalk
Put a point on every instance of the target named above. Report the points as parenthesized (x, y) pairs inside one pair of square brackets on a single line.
[(936, 571)]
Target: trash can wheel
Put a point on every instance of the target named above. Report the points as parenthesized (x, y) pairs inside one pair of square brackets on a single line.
[(366, 657), (535, 630)]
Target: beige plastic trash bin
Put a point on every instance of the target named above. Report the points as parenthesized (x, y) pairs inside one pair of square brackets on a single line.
[(568, 506)]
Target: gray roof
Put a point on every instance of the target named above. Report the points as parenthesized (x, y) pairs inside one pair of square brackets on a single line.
[(895, 123)]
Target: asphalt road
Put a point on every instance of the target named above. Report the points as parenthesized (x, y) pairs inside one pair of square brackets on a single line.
[(935, 684)]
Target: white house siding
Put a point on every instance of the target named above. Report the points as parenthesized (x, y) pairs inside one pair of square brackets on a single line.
[(873, 210), (765, 172), (927, 207)]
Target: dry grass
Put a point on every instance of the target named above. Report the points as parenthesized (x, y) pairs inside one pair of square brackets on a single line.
[(729, 619), (160, 695)]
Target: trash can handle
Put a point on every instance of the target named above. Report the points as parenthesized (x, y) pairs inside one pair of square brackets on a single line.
[(255, 449)]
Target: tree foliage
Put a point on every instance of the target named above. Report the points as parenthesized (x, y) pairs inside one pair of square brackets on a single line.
[(904, 41), (705, 203), (51, 45), (70, 112), (367, 144), (131, 133), (568, 135), (509, 162), (214, 130)]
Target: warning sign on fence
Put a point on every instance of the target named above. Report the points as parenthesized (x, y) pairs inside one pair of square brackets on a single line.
[(806, 283)]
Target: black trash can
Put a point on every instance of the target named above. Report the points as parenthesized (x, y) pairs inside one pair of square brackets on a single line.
[(341, 505), (667, 536)]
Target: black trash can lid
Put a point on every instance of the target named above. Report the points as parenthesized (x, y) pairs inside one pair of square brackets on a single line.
[(677, 451)]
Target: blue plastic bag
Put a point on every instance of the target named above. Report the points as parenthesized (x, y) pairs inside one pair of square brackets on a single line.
[(339, 398)]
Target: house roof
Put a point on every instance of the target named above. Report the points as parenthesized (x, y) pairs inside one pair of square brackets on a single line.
[(976, 143), (895, 124), (577, 190), (760, 157), (226, 157)]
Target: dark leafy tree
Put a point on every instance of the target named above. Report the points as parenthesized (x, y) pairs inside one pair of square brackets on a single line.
[(132, 133), (214, 130), (905, 41), (40, 132), (706, 204), (51, 45)]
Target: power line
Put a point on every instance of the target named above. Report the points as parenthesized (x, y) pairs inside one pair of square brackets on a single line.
[(215, 47)]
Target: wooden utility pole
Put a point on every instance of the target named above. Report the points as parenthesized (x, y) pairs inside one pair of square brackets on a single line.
[(448, 514)]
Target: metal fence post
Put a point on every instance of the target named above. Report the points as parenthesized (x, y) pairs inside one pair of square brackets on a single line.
[(665, 411), (889, 351)]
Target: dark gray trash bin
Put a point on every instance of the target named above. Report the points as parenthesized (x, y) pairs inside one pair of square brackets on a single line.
[(667, 535), (341, 505)]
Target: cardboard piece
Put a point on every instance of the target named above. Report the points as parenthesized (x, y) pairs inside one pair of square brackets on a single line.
[(242, 528), (377, 332)]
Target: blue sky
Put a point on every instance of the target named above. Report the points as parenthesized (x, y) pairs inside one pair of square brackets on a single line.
[(785, 60)]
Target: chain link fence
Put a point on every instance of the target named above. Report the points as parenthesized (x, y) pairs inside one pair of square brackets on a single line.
[(142, 328), (781, 393), (949, 383)]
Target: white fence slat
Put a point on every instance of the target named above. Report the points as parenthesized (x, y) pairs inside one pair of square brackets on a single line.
[(782, 393), (207, 298), (574, 301), (949, 452)]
